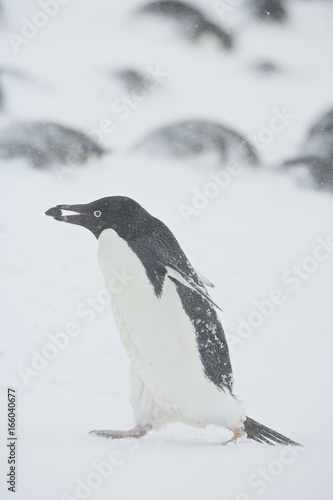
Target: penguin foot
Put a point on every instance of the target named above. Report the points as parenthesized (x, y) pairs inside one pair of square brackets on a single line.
[(238, 433), (137, 432)]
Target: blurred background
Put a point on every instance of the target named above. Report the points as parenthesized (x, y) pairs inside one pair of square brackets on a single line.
[(217, 117)]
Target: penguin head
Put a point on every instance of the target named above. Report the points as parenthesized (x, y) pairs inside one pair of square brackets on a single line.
[(119, 213)]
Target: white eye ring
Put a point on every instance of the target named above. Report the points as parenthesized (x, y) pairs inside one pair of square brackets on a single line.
[(97, 213)]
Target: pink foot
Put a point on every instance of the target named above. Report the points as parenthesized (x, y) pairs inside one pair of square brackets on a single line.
[(238, 433), (137, 432)]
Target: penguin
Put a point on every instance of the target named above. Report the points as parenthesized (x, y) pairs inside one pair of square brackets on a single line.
[(192, 21), (189, 138), (46, 143), (269, 10), (168, 323), (311, 172), (319, 140), (266, 67), (314, 167), (131, 78)]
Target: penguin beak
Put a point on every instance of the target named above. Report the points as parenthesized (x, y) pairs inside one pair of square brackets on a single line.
[(56, 213)]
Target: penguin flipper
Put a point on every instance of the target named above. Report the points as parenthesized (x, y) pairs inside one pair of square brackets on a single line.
[(262, 434), (175, 274), (205, 281)]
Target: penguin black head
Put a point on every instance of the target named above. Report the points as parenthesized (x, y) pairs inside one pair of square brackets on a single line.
[(120, 213)]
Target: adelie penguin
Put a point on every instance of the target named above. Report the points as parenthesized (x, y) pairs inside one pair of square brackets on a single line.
[(192, 22), (180, 365), (269, 10), (46, 143), (314, 167), (189, 139)]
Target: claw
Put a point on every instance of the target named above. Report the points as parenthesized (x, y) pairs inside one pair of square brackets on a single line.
[(238, 433)]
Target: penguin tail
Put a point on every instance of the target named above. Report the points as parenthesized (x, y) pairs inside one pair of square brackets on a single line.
[(263, 434)]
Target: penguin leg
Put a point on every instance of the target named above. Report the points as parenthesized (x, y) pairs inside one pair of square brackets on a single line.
[(238, 433), (137, 432), (142, 404), (147, 412)]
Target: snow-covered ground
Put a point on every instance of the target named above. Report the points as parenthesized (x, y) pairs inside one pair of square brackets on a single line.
[(247, 240)]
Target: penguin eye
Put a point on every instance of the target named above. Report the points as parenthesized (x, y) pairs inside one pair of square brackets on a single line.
[(97, 213)]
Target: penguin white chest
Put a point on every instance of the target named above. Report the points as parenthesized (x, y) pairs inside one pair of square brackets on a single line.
[(161, 339), (151, 327)]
